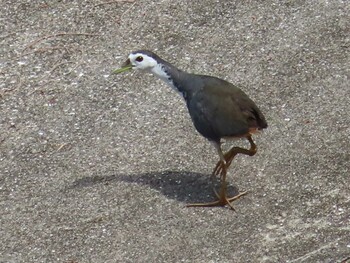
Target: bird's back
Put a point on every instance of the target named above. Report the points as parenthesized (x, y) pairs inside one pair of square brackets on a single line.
[(219, 109)]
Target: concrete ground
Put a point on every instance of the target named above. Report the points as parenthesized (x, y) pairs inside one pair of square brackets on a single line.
[(96, 167)]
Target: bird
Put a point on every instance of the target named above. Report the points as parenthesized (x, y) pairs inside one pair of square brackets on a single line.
[(218, 109)]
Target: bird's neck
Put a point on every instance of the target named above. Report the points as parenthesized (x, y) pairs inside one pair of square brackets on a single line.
[(172, 76)]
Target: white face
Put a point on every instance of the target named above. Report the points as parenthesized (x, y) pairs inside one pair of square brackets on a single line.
[(142, 61)]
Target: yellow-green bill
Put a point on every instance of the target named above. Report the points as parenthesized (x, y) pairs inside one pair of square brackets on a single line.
[(123, 69)]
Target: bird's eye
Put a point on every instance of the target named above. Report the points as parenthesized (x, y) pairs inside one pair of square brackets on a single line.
[(139, 59)]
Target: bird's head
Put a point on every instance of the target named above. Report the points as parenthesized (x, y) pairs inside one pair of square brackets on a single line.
[(144, 60)]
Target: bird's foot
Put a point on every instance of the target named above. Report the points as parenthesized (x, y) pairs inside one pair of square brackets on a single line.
[(218, 170), (223, 200)]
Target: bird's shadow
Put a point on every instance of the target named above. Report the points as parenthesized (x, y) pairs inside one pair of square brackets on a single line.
[(187, 187)]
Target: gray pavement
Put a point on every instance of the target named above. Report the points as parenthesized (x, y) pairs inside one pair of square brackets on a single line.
[(98, 168)]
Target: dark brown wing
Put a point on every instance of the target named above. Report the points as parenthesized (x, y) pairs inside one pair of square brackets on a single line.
[(220, 109), (250, 111)]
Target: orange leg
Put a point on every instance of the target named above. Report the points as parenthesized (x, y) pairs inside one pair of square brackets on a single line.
[(230, 155), (223, 199)]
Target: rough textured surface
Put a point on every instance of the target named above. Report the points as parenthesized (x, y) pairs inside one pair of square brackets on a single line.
[(99, 168)]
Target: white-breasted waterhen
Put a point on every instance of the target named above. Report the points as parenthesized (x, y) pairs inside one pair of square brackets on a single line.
[(218, 109)]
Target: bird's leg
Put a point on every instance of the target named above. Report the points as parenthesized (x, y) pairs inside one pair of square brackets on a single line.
[(230, 155), (222, 195), (223, 199)]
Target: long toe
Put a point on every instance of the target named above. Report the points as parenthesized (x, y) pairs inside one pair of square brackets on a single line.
[(222, 201), (209, 204), (219, 166), (231, 199), (218, 169)]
